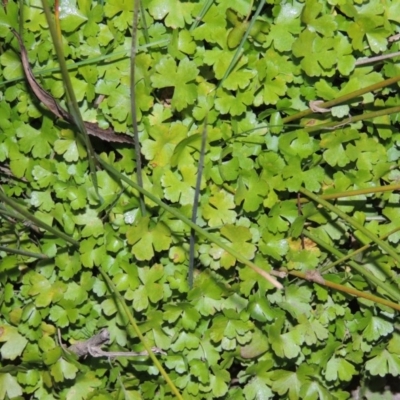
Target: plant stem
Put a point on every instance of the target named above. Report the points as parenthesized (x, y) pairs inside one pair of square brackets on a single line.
[(138, 153), (344, 98), (337, 124), (212, 238), (354, 253), (196, 202), (346, 289), (24, 253), (157, 363), (392, 292), (73, 107), (357, 192), (351, 221), (16, 207)]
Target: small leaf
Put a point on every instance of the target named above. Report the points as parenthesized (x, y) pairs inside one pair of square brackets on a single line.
[(14, 343), (338, 367), (63, 370), (9, 387)]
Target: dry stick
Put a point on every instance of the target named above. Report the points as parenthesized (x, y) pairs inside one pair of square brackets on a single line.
[(395, 37), (363, 61), (48, 100), (93, 345)]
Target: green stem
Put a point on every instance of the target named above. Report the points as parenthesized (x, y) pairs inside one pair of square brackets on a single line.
[(238, 52), (144, 24), (354, 253), (351, 221), (392, 292), (16, 207), (201, 15), (120, 55), (73, 107), (196, 202), (345, 289), (139, 334), (212, 238), (357, 192), (23, 253), (138, 153), (336, 124), (344, 98)]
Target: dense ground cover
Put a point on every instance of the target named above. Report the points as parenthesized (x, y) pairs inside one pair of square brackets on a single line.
[(291, 114)]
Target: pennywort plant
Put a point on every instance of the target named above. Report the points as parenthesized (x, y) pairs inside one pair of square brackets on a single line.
[(292, 290)]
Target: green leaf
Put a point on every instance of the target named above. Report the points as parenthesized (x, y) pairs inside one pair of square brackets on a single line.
[(324, 25), (42, 200), (70, 16), (83, 387), (175, 14), (63, 370), (318, 54), (239, 237), (120, 12), (251, 190), (91, 222), (259, 387), (169, 74), (147, 237), (185, 341), (160, 148), (374, 327), (44, 290), (177, 189), (213, 26), (39, 143), (9, 387), (219, 382), (70, 149), (287, 381), (14, 343), (333, 142), (218, 209), (384, 363), (200, 370), (233, 104), (12, 64), (339, 368)]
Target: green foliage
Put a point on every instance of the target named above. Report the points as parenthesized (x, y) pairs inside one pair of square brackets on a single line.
[(231, 336)]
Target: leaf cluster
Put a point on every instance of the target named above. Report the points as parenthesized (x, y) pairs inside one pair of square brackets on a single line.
[(232, 335)]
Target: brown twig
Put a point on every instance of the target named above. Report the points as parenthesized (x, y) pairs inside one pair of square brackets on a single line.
[(48, 100), (363, 61)]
